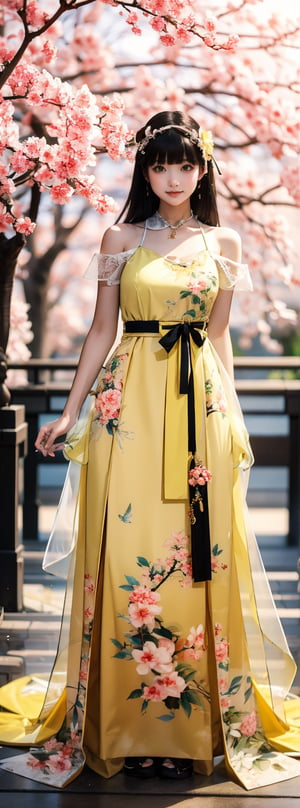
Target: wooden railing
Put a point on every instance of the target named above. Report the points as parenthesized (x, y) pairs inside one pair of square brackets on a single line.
[(260, 392)]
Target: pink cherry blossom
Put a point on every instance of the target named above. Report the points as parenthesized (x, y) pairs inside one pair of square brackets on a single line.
[(34, 763), (222, 684), (24, 225), (59, 763), (224, 702), (90, 587), (142, 594), (248, 725), (143, 615), (156, 691), (196, 637), (108, 403), (153, 658), (222, 650), (61, 193), (173, 684)]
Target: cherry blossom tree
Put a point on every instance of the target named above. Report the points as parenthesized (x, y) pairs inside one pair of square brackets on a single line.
[(71, 92)]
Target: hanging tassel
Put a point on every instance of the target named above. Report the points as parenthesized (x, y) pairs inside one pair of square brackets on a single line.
[(199, 476)]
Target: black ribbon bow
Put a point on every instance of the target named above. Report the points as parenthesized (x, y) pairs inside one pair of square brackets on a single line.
[(200, 535)]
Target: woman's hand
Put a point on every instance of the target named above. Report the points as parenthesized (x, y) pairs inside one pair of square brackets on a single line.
[(48, 434)]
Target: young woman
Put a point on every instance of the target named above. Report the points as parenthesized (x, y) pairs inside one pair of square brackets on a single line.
[(174, 653)]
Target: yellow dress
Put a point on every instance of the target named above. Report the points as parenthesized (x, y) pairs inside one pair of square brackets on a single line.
[(150, 661)]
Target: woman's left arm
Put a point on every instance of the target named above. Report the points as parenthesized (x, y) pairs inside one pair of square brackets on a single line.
[(218, 327)]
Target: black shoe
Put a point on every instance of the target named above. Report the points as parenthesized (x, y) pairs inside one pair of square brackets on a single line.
[(181, 768), (134, 767)]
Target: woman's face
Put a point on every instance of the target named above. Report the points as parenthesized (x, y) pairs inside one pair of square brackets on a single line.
[(174, 183)]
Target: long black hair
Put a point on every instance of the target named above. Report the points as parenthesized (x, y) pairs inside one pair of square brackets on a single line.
[(172, 146)]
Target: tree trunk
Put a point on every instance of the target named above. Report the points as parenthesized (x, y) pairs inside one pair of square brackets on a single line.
[(9, 251)]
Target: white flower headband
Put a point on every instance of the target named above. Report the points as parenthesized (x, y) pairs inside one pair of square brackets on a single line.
[(203, 139)]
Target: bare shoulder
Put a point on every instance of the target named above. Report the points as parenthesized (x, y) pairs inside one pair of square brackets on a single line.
[(229, 242), (120, 238)]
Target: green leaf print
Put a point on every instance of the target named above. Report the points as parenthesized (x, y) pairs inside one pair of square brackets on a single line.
[(142, 562), (116, 643), (166, 717), (136, 694), (234, 686), (193, 697), (132, 581), (186, 705)]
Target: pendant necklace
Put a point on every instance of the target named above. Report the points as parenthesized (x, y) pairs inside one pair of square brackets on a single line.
[(157, 222)]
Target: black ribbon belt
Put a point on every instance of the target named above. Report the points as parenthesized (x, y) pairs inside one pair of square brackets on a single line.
[(185, 331)]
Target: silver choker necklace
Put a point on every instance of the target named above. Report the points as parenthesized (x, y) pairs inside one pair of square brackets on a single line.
[(157, 222)]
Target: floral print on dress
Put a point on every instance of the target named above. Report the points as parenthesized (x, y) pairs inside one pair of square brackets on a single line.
[(200, 284), (108, 397), (248, 750), (63, 753), (160, 652), (215, 396), (196, 293)]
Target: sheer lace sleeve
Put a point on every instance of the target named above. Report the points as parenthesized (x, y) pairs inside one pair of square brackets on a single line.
[(233, 275), (107, 268)]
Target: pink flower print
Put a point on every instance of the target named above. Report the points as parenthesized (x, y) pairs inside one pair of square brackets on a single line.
[(218, 629), (153, 658), (181, 554), (108, 376), (35, 763), (173, 683), (178, 539), (156, 691), (90, 587), (222, 684), (197, 286), (53, 744), (187, 568), (169, 562), (222, 649), (190, 653), (167, 644), (142, 594), (59, 763), (83, 673), (248, 725), (225, 702), (196, 637), (143, 615), (221, 401), (88, 612), (199, 475), (108, 403), (75, 738), (186, 582)]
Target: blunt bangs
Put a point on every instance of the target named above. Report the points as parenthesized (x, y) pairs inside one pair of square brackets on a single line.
[(171, 147)]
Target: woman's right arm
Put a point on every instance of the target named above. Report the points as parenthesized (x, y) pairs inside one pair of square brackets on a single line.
[(97, 345)]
